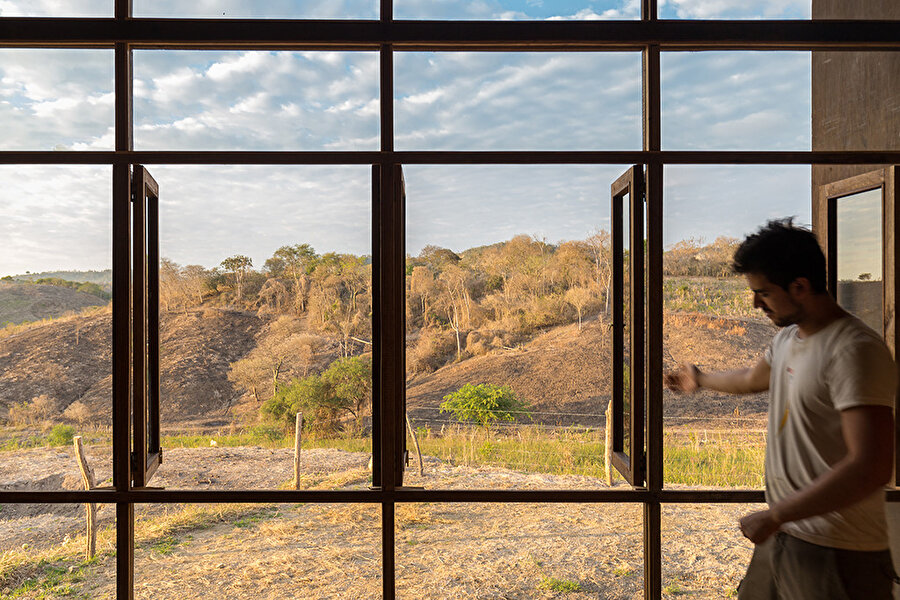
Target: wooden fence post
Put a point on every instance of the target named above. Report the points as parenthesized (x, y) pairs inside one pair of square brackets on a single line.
[(608, 442), (297, 439), (87, 477), (412, 432)]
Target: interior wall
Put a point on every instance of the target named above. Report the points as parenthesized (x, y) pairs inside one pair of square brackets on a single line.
[(855, 95)]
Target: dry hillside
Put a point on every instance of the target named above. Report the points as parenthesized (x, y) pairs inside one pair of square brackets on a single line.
[(71, 360), (565, 373), (21, 302)]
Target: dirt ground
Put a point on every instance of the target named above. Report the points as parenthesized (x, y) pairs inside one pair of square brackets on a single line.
[(489, 551)]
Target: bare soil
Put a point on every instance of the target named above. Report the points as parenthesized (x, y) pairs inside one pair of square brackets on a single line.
[(516, 551)]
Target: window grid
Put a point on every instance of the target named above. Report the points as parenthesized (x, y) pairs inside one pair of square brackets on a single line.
[(649, 35)]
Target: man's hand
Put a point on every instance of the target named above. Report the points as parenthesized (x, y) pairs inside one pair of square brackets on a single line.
[(685, 379), (759, 526)]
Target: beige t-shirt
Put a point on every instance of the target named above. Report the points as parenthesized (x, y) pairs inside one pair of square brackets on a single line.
[(813, 379)]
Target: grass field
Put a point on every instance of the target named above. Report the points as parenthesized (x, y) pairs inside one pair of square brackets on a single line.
[(692, 457)]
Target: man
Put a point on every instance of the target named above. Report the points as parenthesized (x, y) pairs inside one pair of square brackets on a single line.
[(831, 383)]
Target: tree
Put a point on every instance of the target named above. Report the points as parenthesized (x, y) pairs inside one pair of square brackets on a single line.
[(350, 380), (454, 299), (196, 280), (237, 265), (485, 404), (344, 388), (579, 297), (285, 352), (295, 262)]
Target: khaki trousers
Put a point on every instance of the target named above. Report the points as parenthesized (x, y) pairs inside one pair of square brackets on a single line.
[(788, 568)]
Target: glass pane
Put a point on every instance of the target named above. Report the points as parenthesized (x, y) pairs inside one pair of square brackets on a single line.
[(55, 8), (54, 99), (860, 285), (519, 551), (704, 554), (516, 10), (55, 324), (518, 101), (44, 549), (508, 307), (265, 310), (714, 439), (255, 100), (736, 9), (736, 100), (253, 9), (268, 551)]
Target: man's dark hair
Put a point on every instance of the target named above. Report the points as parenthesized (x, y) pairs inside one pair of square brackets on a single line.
[(782, 252)]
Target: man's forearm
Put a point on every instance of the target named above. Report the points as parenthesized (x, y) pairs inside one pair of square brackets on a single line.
[(731, 382)]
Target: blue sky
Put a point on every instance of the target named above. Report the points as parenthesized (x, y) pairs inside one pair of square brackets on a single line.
[(54, 217), (419, 9)]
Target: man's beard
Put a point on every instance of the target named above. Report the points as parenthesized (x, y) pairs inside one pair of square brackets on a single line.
[(785, 320)]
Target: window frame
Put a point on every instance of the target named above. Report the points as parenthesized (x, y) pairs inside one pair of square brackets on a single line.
[(124, 33), (629, 459), (146, 453)]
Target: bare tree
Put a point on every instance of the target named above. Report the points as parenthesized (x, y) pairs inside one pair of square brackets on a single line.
[(238, 265)]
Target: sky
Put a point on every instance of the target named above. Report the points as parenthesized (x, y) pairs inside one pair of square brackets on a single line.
[(58, 217)]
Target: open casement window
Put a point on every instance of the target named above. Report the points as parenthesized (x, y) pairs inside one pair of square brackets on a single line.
[(146, 453), (860, 223), (403, 421), (627, 224)]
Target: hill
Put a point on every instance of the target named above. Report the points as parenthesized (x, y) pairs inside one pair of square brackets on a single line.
[(102, 278), (71, 360), (32, 302), (563, 372)]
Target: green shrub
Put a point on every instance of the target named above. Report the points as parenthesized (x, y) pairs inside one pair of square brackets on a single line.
[(61, 435), (485, 404)]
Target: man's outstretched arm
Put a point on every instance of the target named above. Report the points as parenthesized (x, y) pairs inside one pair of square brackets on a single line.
[(742, 381), (868, 433)]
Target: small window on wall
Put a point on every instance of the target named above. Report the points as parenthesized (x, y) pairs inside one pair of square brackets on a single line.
[(859, 214)]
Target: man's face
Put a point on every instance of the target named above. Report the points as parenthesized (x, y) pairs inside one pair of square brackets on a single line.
[(775, 301)]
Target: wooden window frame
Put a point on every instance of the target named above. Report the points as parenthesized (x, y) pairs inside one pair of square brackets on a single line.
[(123, 34)]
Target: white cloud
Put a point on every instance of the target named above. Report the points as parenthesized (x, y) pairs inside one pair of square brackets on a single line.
[(517, 101), (55, 98), (736, 9), (256, 100), (222, 9), (736, 100), (56, 8), (450, 100)]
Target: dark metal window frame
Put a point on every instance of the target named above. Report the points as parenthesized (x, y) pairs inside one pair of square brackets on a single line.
[(650, 36), (146, 452)]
